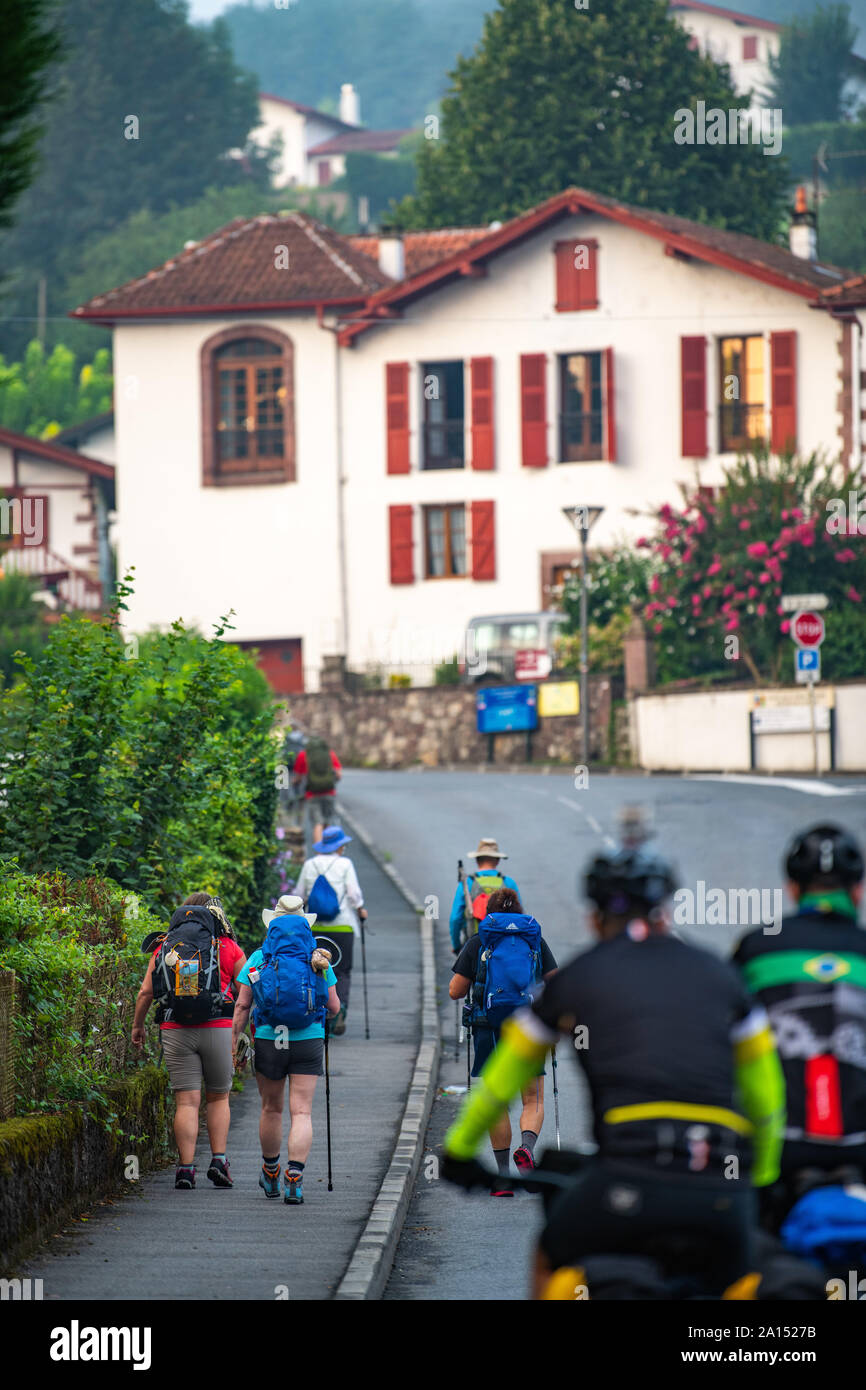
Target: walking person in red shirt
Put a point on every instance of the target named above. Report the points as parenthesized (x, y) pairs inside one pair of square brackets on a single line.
[(192, 973), (320, 766)]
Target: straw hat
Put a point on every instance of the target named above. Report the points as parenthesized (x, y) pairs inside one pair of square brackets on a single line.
[(487, 849), (288, 906)]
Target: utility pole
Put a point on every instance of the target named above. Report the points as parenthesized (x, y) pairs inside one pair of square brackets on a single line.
[(583, 518)]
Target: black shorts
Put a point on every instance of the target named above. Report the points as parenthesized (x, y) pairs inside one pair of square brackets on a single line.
[(485, 1040), (616, 1208), (302, 1058)]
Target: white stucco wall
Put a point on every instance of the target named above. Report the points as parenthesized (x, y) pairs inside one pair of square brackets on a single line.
[(647, 301), (269, 552), (68, 498), (722, 40)]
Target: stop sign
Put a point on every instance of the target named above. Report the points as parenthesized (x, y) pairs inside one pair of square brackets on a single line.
[(807, 629)]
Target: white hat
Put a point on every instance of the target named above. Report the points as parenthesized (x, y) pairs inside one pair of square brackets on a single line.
[(487, 849), (288, 906)]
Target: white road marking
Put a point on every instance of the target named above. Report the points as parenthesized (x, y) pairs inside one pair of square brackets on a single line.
[(816, 788), (591, 820)]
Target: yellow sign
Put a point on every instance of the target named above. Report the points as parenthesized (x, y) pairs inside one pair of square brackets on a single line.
[(560, 697), (825, 695)]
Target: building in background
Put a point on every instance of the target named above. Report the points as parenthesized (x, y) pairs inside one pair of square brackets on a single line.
[(314, 143)]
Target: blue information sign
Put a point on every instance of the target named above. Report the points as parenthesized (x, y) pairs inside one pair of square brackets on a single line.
[(507, 708)]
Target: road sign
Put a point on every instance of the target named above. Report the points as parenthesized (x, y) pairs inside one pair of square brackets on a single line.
[(807, 629), (506, 708), (807, 665), (558, 697), (798, 603), (532, 664)]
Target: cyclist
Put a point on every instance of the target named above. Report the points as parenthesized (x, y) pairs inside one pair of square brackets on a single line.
[(665, 1034), (811, 978)]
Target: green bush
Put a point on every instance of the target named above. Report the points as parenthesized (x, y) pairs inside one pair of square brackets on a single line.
[(447, 672), (75, 948)]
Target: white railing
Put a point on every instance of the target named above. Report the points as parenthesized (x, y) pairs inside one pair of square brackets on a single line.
[(76, 589)]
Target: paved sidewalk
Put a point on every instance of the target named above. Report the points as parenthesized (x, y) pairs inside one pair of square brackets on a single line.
[(158, 1243)]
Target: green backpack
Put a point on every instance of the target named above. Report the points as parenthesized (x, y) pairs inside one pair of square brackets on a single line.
[(320, 770)]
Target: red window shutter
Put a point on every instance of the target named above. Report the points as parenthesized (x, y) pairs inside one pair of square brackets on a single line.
[(693, 358), (533, 409), (397, 407), (750, 46), (576, 274), (783, 359), (481, 380), (400, 539), (609, 408), (483, 540)]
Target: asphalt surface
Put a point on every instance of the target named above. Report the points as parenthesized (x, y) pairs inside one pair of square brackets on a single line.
[(158, 1243), (727, 832)]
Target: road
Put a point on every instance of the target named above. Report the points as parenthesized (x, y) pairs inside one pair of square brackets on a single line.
[(727, 832)]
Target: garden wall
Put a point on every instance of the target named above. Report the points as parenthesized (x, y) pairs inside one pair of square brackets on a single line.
[(436, 726)]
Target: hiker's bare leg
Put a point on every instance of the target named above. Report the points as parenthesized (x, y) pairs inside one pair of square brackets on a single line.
[(218, 1120), (532, 1114), (186, 1123), (271, 1122), (301, 1091), (500, 1134)]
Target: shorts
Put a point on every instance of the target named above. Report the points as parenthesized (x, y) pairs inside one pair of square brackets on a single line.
[(322, 809), (196, 1054), (302, 1058), (485, 1040)]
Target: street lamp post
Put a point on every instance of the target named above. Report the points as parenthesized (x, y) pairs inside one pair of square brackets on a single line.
[(583, 518)]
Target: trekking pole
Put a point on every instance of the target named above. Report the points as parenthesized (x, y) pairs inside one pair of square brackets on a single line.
[(328, 1100), (457, 1030), (468, 1060), (556, 1101), (364, 974)]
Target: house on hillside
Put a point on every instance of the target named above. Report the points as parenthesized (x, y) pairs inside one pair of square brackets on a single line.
[(747, 43), (315, 144), (55, 507), (360, 443)]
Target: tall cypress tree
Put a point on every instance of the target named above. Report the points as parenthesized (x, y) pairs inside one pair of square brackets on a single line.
[(556, 95), (27, 49)]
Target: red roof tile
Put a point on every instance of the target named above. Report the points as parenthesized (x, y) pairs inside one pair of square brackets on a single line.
[(235, 269), (55, 453), (749, 20), (307, 110), (424, 249), (376, 141)]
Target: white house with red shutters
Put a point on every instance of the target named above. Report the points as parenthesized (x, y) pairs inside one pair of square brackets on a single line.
[(359, 459)]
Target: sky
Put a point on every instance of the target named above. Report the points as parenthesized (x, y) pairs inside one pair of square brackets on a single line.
[(207, 9)]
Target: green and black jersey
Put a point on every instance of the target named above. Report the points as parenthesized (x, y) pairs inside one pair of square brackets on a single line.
[(811, 978)]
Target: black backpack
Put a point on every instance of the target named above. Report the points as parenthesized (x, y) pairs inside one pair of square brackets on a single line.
[(186, 971), (320, 770)]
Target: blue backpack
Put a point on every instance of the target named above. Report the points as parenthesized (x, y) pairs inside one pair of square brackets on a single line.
[(509, 965), (323, 900), (828, 1224), (288, 991)]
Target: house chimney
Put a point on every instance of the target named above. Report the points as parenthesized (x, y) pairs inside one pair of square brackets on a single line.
[(350, 105), (391, 256), (802, 234)]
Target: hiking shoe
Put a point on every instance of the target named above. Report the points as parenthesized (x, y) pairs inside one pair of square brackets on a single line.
[(269, 1181), (338, 1027), (525, 1163), (293, 1194), (184, 1176), (219, 1173), (501, 1192)]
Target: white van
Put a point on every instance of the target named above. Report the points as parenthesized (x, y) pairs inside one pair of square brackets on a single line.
[(511, 647)]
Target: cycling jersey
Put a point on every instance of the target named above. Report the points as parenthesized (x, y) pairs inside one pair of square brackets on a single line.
[(680, 1062), (811, 978)]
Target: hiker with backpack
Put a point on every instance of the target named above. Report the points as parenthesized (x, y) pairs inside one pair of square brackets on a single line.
[(191, 971), (290, 982), (470, 899), (329, 887), (500, 968), (319, 767)]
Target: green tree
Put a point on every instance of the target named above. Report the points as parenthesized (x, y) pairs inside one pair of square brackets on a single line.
[(48, 391), (141, 114), (23, 622), (555, 96), (842, 228), (813, 63), (26, 53)]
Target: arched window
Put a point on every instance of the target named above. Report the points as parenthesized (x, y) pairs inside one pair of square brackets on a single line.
[(248, 407)]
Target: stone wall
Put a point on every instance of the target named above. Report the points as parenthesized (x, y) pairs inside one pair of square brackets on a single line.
[(436, 726)]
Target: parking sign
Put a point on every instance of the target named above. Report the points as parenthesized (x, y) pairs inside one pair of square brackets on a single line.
[(807, 665)]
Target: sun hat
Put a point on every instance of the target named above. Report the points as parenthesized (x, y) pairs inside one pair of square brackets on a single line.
[(333, 839), (288, 906), (487, 849)]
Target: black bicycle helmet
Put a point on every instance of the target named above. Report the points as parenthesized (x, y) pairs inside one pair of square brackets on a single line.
[(630, 878), (826, 855)]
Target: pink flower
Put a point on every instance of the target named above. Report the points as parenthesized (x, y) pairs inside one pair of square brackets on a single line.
[(642, 543), (763, 579), (732, 622), (852, 594), (785, 515), (745, 525), (707, 590), (657, 627), (728, 589), (785, 626), (752, 592), (761, 609), (655, 584), (701, 524), (714, 568), (672, 603), (843, 556), (757, 549)]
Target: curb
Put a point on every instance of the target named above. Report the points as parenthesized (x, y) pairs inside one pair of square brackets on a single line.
[(371, 1261)]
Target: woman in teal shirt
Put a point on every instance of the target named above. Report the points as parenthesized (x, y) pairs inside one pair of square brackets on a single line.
[(281, 1052)]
